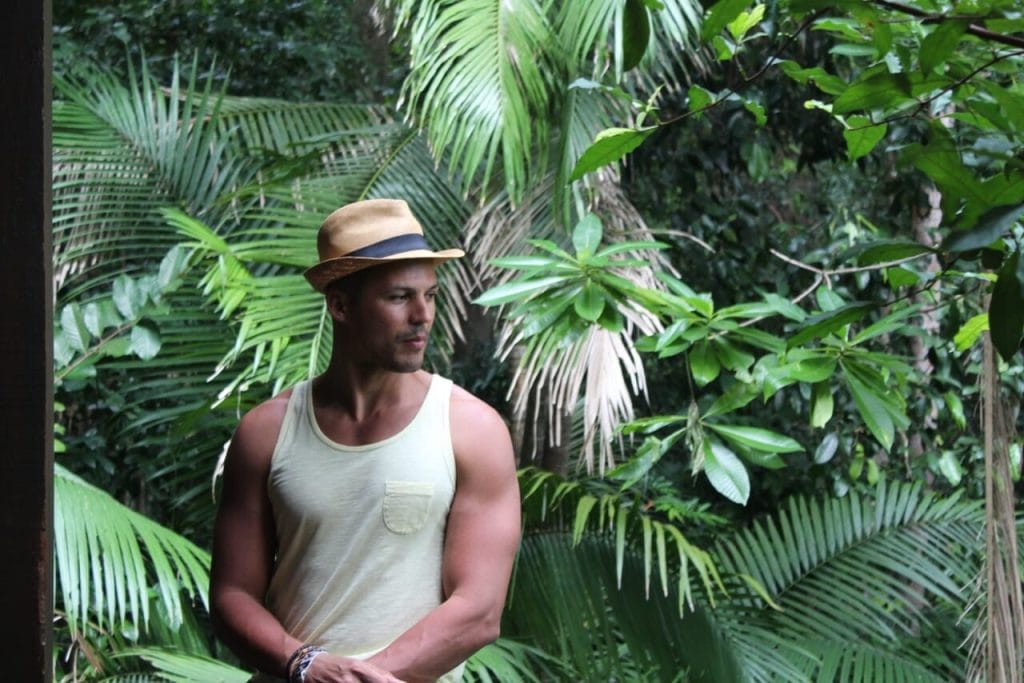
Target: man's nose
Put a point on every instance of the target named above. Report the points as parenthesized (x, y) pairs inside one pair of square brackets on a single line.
[(422, 310)]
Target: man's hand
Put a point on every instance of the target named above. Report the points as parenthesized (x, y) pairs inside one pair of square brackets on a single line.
[(328, 668)]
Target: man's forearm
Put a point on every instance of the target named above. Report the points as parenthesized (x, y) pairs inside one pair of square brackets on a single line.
[(252, 632), (440, 641)]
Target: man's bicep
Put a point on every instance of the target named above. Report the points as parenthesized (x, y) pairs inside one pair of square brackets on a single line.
[(243, 534), (484, 523)]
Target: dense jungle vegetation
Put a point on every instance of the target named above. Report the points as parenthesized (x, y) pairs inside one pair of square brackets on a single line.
[(745, 279)]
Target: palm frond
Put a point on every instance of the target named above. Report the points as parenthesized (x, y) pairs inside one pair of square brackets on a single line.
[(108, 558), (184, 668), (566, 597), (508, 661), (852, 570), (480, 85), (120, 154)]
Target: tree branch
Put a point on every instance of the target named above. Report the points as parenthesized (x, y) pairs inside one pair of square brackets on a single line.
[(973, 29)]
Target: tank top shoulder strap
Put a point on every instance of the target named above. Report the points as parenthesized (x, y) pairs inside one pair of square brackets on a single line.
[(293, 417)]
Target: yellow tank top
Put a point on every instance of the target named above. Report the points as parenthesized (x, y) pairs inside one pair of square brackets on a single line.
[(360, 528)]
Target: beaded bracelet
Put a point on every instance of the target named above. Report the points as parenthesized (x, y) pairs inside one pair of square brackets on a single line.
[(302, 667), (300, 661)]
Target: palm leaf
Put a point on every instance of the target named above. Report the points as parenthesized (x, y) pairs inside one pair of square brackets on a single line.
[(120, 154), (108, 558), (507, 661), (480, 83), (567, 599), (184, 668), (852, 571)]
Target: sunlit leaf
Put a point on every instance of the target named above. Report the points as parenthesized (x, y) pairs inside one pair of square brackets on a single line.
[(757, 438), (609, 146), (720, 15), (826, 450), (862, 135), (726, 472), (970, 331)]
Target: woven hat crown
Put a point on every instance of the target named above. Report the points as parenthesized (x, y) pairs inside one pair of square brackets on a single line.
[(368, 233)]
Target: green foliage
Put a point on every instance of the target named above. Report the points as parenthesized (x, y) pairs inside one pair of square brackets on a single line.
[(297, 50), (108, 558), (825, 585)]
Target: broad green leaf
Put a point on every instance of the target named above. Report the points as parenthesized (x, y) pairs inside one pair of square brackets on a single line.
[(757, 438), (637, 467), (636, 33), (757, 109), (76, 332), (127, 297), (726, 472), (1011, 103), (720, 15), (100, 315), (698, 98), (735, 397), (1006, 308), (739, 26), (826, 450), (882, 251), (969, 332), (608, 147), (590, 303), (813, 369), (703, 363), (990, 227), (171, 267), (145, 341), (950, 467), (956, 408), (586, 236), (822, 404), (887, 324), (901, 277), (828, 322), (862, 135), (732, 357), (816, 76), (873, 471), (874, 410), (517, 290), (879, 90), (724, 49), (938, 45), (769, 461)]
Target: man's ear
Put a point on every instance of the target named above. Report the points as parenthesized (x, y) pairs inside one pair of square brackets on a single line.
[(337, 304)]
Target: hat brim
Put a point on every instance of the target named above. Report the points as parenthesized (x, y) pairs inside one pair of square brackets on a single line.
[(326, 272)]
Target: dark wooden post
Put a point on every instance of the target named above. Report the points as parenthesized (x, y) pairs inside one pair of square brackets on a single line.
[(26, 344)]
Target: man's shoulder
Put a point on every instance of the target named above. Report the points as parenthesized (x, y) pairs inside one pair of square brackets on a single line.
[(466, 406), (479, 432), (260, 425)]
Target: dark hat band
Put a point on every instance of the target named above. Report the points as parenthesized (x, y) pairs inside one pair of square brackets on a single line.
[(391, 246)]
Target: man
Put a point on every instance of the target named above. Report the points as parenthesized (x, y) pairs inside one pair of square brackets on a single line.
[(370, 516)]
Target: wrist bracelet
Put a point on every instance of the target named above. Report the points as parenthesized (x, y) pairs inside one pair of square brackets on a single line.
[(300, 661), (293, 662)]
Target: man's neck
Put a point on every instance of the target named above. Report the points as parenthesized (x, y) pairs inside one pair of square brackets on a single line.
[(360, 392)]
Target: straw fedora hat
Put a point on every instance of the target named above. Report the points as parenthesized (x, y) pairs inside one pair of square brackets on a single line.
[(369, 233)]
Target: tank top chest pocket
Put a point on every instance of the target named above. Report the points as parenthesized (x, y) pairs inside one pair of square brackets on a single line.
[(407, 505)]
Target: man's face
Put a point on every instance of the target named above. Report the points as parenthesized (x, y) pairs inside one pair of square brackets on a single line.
[(388, 316)]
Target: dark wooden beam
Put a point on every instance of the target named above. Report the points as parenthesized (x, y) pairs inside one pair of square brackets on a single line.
[(26, 344)]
